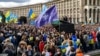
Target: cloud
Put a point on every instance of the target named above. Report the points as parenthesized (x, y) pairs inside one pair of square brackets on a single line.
[(15, 3)]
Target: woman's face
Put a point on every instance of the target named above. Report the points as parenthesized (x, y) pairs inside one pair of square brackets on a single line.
[(22, 46)]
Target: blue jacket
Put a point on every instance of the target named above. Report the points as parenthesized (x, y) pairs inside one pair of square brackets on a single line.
[(44, 37)]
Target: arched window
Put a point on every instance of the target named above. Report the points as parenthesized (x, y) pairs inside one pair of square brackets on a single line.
[(94, 2), (98, 16), (98, 2), (74, 19), (86, 15), (94, 15), (90, 2), (78, 20), (85, 2), (90, 10), (70, 20)]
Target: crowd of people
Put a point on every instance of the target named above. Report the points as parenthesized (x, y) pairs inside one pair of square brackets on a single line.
[(27, 40)]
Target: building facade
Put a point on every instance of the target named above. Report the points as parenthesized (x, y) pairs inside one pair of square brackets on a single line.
[(76, 10)]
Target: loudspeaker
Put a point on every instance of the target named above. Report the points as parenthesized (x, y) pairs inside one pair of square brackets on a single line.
[(65, 26), (22, 20)]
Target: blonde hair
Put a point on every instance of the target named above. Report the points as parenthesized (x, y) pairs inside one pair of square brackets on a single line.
[(23, 37), (70, 43), (23, 43), (29, 46), (7, 40)]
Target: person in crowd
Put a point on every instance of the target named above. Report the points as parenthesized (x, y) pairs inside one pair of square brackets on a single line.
[(93, 32), (79, 52), (82, 41), (47, 52), (36, 52), (29, 51), (72, 51), (59, 39), (23, 54), (64, 45), (14, 41), (58, 52), (41, 45), (24, 38), (2, 38), (47, 41), (74, 39), (21, 48), (98, 39), (68, 48), (52, 47), (31, 39), (8, 48), (91, 42)]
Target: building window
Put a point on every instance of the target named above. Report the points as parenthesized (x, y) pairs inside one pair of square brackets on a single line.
[(98, 16), (93, 15), (71, 10), (78, 11), (74, 10), (90, 10), (94, 2), (74, 20), (85, 2), (85, 15), (77, 20), (90, 2), (98, 2)]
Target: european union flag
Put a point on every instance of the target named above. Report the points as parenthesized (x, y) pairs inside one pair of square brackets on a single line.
[(48, 16), (44, 8)]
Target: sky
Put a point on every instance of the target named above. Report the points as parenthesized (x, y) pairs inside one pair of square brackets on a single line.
[(16, 3)]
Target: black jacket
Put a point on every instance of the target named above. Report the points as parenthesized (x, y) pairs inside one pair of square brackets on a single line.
[(98, 36)]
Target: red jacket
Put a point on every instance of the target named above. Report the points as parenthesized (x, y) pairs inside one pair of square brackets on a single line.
[(41, 46), (94, 36)]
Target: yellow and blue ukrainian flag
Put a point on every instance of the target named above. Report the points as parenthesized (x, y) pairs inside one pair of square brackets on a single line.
[(7, 15), (31, 14), (13, 18), (0, 18)]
